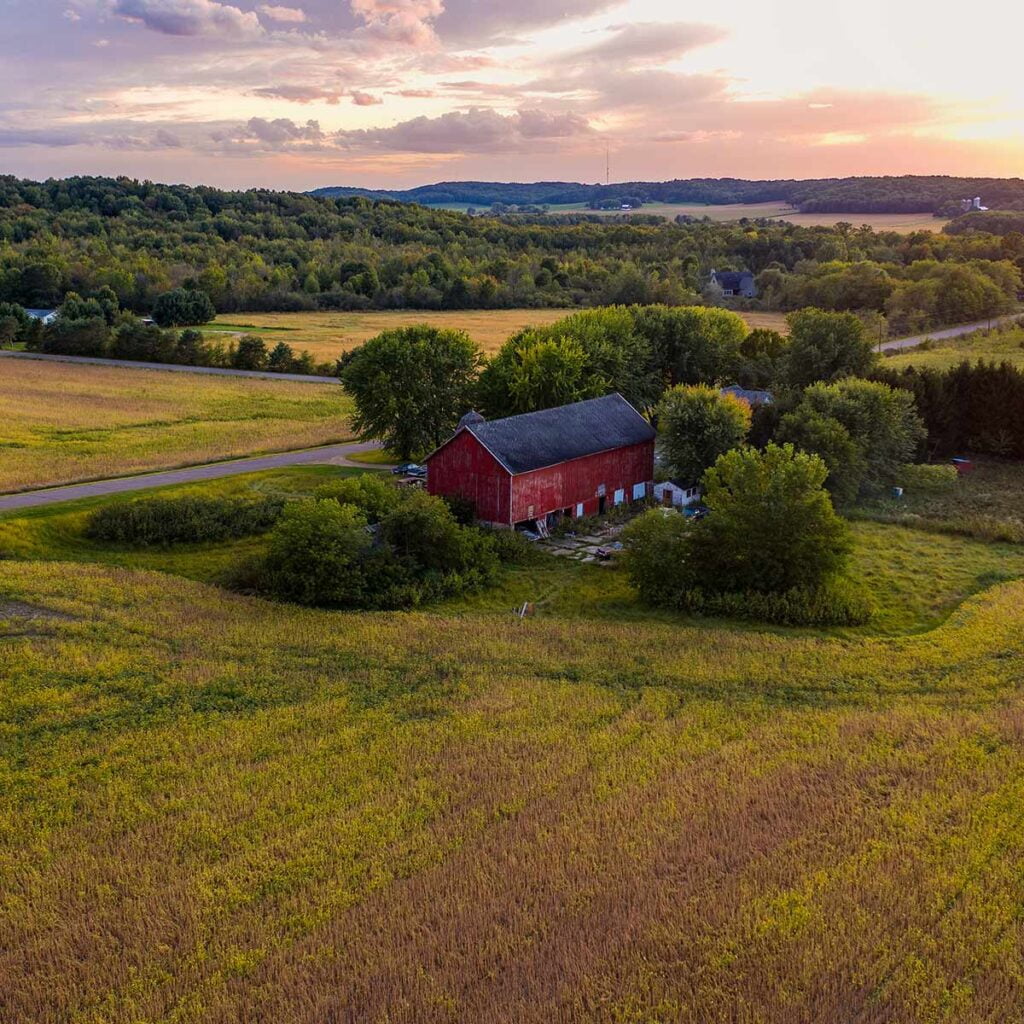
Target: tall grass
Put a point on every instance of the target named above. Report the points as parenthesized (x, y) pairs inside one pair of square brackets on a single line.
[(63, 423), (216, 809)]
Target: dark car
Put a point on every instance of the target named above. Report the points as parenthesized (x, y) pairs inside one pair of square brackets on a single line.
[(410, 469)]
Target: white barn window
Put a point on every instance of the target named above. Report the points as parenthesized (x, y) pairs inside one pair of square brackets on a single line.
[(579, 510), (639, 492), (620, 496)]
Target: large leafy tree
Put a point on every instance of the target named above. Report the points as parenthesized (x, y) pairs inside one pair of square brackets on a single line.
[(411, 385), (538, 373), (697, 424), (182, 307), (692, 344), (771, 525), (615, 357), (826, 346), (864, 431)]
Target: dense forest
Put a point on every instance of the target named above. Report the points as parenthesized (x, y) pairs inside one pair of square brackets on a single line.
[(265, 250), (903, 194)]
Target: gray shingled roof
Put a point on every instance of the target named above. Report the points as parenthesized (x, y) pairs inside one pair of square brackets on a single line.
[(752, 396), (534, 440)]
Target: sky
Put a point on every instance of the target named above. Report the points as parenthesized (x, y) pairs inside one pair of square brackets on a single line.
[(393, 93)]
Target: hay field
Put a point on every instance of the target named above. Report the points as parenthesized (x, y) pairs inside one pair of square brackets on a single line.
[(64, 422), (327, 335), (904, 223), (218, 809), (998, 345)]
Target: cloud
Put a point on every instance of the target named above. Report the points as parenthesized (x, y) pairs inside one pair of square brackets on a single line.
[(420, 94), (407, 22), (282, 130), (298, 93), (17, 137), (190, 18), (364, 99), (647, 43), (496, 22), (475, 130), (291, 15)]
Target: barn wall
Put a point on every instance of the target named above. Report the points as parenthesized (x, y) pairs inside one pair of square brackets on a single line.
[(579, 480), (466, 467)]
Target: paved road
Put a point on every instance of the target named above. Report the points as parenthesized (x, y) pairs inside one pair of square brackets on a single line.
[(333, 454), (217, 371), (947, 332)]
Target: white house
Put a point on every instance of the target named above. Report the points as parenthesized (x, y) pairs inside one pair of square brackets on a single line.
[(45, 316)]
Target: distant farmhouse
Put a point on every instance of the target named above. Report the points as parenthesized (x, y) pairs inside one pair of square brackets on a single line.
[(571, 461), (752, 396), (734, 283), (44, 316), (972, 205)]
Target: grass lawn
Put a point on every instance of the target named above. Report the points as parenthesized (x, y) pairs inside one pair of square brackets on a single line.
[(218, 809), (986, 504), (64, 422), (999, 345)]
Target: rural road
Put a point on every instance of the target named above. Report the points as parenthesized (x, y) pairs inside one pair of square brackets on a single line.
[(332, 454), (947, 332), (217, 371)]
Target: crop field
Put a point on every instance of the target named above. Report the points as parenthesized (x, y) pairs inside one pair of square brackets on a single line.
[(901, 222), (63, 422), (327, 335), (998, 345), (218, 809)]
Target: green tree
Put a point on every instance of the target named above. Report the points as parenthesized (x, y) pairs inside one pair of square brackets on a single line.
[(826, 347), (182, 307), (697, 424), (882, 424), (657, 557), (411, 385), (251, 353), (762, 353), (771, 526), (282, 358), (809, 431), (537, 373), (692, 344), (315, 554)]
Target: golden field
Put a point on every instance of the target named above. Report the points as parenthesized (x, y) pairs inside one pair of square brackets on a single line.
[(218, 809), (904, 223), (327, 335), (64, 422)]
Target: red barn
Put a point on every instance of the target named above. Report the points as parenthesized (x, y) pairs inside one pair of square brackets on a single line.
[(575, 460)]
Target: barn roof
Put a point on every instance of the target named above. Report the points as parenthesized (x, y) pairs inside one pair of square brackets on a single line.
[(534, 440), (732, 278), (752, 396)]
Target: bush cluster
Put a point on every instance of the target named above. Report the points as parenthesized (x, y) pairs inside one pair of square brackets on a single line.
[(153, 522), (364, 543)]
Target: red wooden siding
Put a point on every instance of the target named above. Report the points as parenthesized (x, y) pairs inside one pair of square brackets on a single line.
[(578, 481), (464, 466)]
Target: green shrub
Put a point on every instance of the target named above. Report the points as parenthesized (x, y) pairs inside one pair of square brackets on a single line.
[(162, 521), (372, 493), (835, 603), (927, 477)]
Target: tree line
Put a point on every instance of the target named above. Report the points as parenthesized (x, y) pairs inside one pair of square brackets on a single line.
[(263, 250)]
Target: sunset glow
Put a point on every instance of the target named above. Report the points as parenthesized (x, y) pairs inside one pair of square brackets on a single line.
[(398, 92)]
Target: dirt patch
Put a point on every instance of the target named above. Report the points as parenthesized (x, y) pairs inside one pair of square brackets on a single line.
[(10, 609)]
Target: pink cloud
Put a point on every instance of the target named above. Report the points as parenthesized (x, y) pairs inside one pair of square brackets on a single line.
[(365, 99), (190, 18), (291, 15)]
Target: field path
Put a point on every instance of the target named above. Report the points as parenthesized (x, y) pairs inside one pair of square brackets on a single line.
[(217, 371), (947, 332), (332, 454)]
